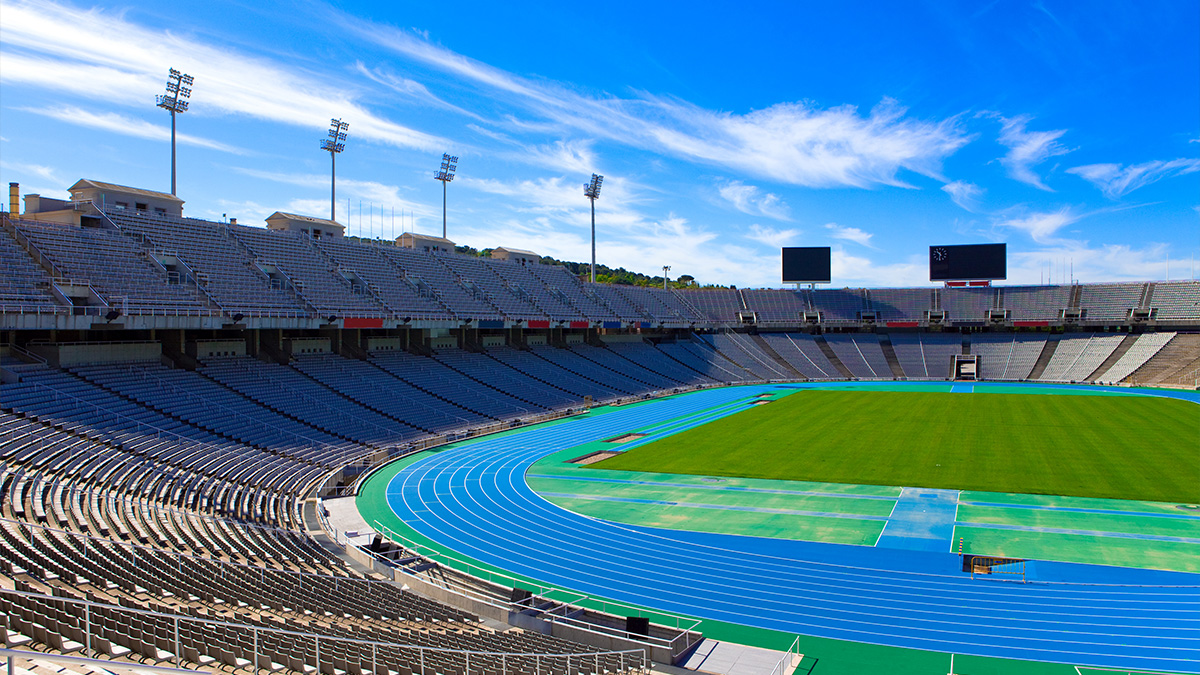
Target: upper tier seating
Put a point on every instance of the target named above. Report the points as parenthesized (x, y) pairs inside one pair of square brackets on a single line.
[(839, 304), (1036, 303), (386, 280), (967, 303), (430, 276), (513, 299), (1110, 302), (1176, 300), (24, 283), (313, 275), (115, 266), (899, 304), (775, 306), (720, 305), (220, 264)]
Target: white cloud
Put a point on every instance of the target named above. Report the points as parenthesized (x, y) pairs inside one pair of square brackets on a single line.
[(1027, 149), (795, 143), (571, 156), (856, 271), (370, 193), (965, 194), (1111, 262), (749, 199), (853, 234), (771, 236), (128, 126), (44, 172), (121, 61), (1041, 227), (1116, 182)]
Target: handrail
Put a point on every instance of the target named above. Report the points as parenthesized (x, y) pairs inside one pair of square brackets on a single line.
[(11, 655), (634, 655)]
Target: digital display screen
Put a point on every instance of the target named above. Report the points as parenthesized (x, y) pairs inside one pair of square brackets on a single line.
[(806, 265), (968, 262)]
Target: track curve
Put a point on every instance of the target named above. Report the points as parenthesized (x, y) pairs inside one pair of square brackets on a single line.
[(474, 499)]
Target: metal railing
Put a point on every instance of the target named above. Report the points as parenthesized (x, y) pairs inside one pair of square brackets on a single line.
[(790, 660), (631, 661)]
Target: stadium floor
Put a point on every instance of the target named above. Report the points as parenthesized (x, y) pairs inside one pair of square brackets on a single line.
[(473, 498)]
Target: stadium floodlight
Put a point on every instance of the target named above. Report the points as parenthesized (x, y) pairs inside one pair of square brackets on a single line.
[(334, 144), (666, 268), (592, 192), (446, 174), (179, 90)]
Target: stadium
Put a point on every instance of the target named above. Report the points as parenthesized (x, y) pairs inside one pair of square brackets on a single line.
[(267, 434), (259, 448)]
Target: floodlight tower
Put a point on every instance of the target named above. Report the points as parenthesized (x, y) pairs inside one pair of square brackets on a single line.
[(334, 145), (592, 192), (666, 268), (179, 90), (446, 174)]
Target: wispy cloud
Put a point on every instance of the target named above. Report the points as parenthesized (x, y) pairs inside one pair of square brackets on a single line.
[(372, 192), (1027, 149), (1041, 227), (571, 156), (853, 234), (771, 236), (128, 126), (1116, 181), (62, 45), (44, 172), (749, 199), (1088, 263), (965, 194), (794, 142)]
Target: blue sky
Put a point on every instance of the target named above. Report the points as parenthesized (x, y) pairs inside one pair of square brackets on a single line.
[(1069, 130)]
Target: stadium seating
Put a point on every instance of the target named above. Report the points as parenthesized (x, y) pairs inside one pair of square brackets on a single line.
[(24, 284), (1076, 358), (802, 353), (1006, 356), (861, 354), (925, 355), (1143, 350)]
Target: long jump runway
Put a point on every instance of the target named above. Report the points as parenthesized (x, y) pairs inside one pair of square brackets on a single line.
[(473, 498)]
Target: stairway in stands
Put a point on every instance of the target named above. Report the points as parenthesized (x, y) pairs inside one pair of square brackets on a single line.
[(889, 353), (1113, 358), (787, 367), (833, 358), (1044, 359)]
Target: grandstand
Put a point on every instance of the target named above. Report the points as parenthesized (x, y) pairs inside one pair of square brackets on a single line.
[(179, 393)]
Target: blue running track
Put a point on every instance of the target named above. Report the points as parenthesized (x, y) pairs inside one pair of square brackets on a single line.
[(472, 497)]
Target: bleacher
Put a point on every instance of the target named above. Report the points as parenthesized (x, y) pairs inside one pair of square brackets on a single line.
[(861, 354), (219, 263), (775, 306), (1144, 349), (1110, 302), (899, 304), (311, 274), (803, 354), (926, 355), (1176, 300), (24, 283), (1006, 356), (718, 305), (1036, 303), (842, 305), (1077, 357), (87, 255)]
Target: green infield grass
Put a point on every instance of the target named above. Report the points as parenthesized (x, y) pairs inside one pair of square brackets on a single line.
[(1114, 447)]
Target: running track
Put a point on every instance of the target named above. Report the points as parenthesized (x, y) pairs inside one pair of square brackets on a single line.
[(473, 498)]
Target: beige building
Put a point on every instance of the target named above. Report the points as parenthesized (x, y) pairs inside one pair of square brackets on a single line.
[(516, 255), (317, 228), (425, 242), (89, 197)]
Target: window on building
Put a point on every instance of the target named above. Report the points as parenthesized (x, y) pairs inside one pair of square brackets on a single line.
[(141, 207)]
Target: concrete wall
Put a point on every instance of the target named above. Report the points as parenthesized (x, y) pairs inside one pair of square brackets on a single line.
[(387, 344), (205, 349), (67, 355), (307, 346)]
